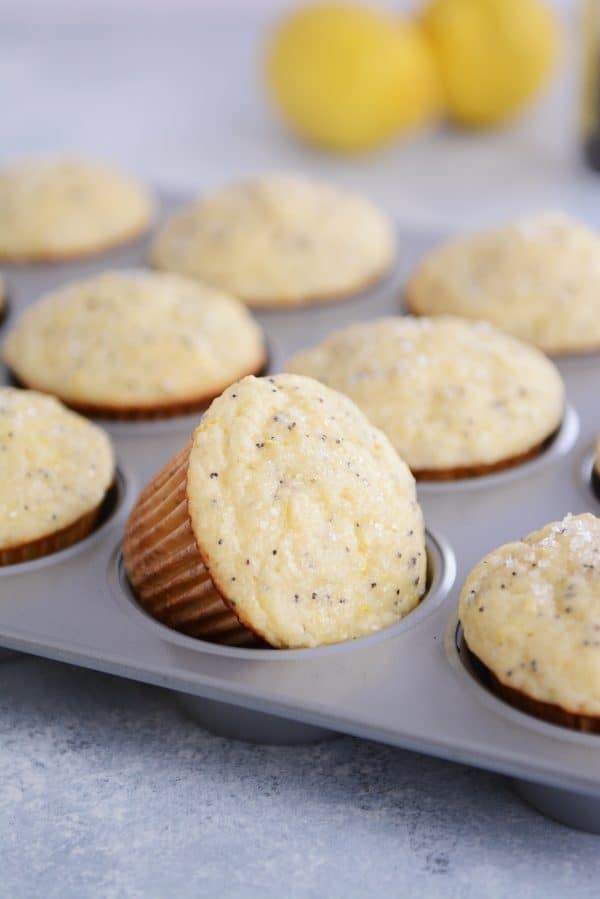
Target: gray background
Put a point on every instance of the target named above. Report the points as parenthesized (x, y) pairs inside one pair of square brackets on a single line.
[(106, 789)]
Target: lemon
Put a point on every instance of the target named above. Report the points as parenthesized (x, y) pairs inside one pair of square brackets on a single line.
[(493, 55), (348, 77)]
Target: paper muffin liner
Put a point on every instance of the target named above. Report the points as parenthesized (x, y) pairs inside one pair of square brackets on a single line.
[(547, 711), (596, 480), (411, 306), (52, 543), (96, 248), (155, 412), (321, 298), (164, 566), (478, 471), (4, 309), (139, 413)]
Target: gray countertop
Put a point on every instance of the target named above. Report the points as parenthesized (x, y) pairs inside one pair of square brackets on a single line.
[(107, 789)]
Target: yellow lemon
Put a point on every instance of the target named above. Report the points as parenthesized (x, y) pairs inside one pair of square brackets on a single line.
[(348, 77), (493, 55)]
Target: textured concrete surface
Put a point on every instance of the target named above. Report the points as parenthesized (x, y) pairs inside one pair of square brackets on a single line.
[(108, 790)]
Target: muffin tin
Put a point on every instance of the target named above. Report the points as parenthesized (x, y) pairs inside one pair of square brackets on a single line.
[(411, 685)]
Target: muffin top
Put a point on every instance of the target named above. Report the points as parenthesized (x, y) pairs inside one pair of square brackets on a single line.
[(530, 612), (56, 466), (304, 514), (278, 240), (57, 208), (449, 393), (538, 279), (134, 339)]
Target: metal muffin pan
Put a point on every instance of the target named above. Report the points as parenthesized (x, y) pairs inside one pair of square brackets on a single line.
[(408, 685)]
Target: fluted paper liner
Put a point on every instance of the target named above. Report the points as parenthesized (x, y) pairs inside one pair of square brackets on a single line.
[(159, 410), (151, 412), (478, 471), (141, 413), (164, 565), (52, 543), (547, 711), (70, 255)]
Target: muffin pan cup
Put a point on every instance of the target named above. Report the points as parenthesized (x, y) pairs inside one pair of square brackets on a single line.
[(407, 685)]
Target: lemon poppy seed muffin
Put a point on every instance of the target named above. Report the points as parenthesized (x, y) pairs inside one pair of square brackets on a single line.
[(288, 517), (53, 209), (56, 469), (538, 279), (278, 240), (135, 344), (530, 613), (456, 398)]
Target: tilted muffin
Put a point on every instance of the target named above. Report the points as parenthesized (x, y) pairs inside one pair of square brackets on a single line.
[(530, 613), (288, 517), (278, 240), (538, 279), (56, 471), (456, 398), (53, 209), (135, 344)]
